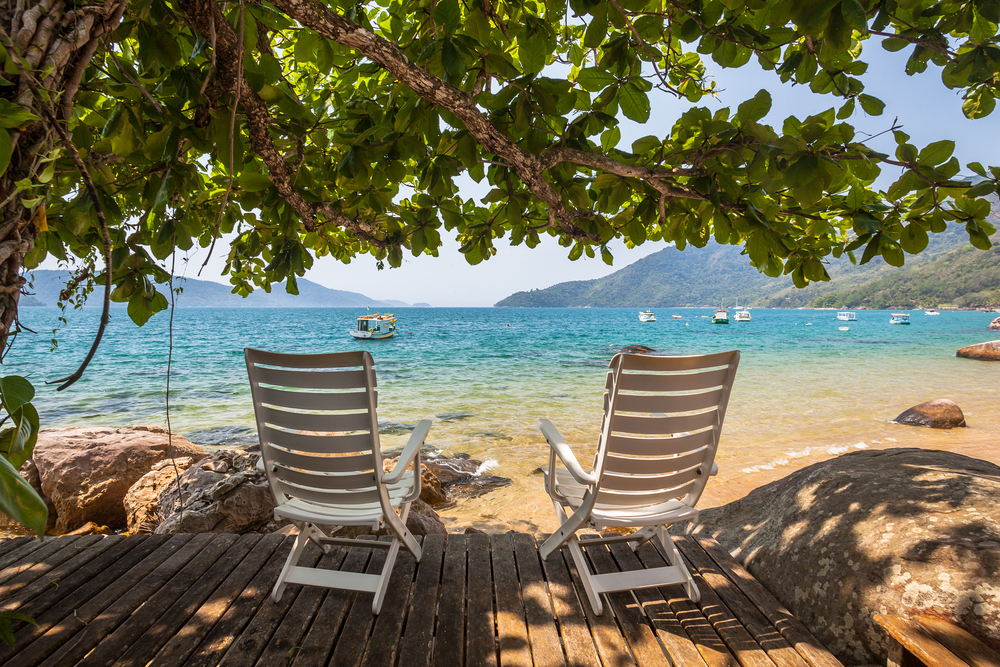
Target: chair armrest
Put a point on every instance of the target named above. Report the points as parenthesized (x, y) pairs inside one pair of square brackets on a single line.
[(411, 450), (565, 454)]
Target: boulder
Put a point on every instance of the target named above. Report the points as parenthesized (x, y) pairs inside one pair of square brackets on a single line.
[(995, 324), (899, 531), (431, 491), (214, 498), (142, 502), (637, 349), (422, 520), (983, 351), (87, 471), (939, 413)]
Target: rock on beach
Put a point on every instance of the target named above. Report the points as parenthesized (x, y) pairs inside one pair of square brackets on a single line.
[(939, 413), (899, 531), (982, 351), (995, 324)]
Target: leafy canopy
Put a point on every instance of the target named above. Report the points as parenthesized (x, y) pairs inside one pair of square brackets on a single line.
[(309, 129)]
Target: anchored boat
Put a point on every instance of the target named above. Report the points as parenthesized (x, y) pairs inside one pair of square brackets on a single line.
[(372, 327), (847, 316), (899, 318), (646, 316), (721, 316)]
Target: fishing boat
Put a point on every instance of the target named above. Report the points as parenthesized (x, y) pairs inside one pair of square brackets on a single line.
[(374, 327), (677, 317), (931, 312), (721, 316), (847, 316), (646, 316), (742, 315), (899, 318)]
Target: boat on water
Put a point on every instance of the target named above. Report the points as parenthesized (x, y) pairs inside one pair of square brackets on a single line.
[(677, 317), (843, 328), (375, 327), (931, 312), (646, 316), (742, 315), (721, 316), (847, 316), (899, 318)]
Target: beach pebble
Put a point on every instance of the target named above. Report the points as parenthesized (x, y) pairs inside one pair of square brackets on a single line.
[(982, 351), (939, 413)]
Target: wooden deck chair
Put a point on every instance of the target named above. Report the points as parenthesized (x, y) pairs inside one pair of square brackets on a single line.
[(320, 449), (662, 419)]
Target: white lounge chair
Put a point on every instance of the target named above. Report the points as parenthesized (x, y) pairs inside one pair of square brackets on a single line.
[(320, 449), (662, 419)]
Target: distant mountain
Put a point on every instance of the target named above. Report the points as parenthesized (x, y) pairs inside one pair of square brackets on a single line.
[(708, 276), (46, 285)]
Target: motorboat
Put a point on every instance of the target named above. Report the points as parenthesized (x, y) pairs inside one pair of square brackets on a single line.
[(931, 312), (847, 316), (721, 316), (375, 327), (646, 316), (899, 318), (677, 317), (742, 315)]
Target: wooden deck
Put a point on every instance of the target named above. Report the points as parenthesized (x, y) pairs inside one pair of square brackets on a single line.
[(472, 600)]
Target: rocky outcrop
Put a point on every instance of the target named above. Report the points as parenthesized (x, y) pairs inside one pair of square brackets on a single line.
[(900, 531), (431, 491), (995, 324), (939, 413), (142, 502), (637, 349), (86, 472), (983, 351), (222, 494), (422, 520)]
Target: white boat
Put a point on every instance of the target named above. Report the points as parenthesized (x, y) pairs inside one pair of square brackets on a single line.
[(677, 317), (646, 316), (374, 327), (721, 316), (847, 316), (742, 315), (899, 318), (931, 312)]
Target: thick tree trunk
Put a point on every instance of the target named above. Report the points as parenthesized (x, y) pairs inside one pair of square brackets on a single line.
[(60, 39)]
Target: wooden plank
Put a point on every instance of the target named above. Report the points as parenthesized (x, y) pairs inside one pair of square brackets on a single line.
[(546, 648), (958, 641), (56, 580), (679, 646), (794, 632), (39, 561), (512, 631), (12, 543), (576, 638), (282, 646), (383, 647), (418, 642), (736, 637), (121, 591), (85, 591), (449, 643), (913, 639), (319, 641), (350, 646), (116, 638), (247, 647), (708, 642), (152, 626), (611, 645), (186, 640), (763, 632), (481, 643), (23, 549), (642, 642)]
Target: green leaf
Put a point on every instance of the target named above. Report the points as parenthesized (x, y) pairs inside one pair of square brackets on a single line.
[(634, 103), (448, 14), (610, 139), (6, 148), (15, 391), (13, 116), (891, 253), (802, 171), (533, 52), (854, 14), (981, 189), (979, 103), (19, 501), (755, 108), (937, 152), (871, 250), (873, 106), (913, 239), (254, 181), (593, 79), (597, 30)]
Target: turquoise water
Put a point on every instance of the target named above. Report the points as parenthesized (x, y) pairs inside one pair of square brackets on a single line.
[(805, 389)]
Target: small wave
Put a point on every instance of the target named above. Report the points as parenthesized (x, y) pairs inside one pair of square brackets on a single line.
[(801, 453), (770, 465), (488, 464)]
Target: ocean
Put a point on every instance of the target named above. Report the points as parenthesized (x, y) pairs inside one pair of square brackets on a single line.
[(805, 391)]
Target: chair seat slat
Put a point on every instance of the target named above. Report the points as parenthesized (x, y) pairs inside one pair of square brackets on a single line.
[(310, 380), (322, 463), (686, 382), (645, 362), (628, 446), (323, 481), (648, 465), (610, 497), (327, 496), (662, 425), (352, 421), (353, 359), (307, 400), (667, 404), (644, 483), (318, 444)]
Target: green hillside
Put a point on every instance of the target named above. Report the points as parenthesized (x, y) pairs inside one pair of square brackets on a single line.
[(949, 271)]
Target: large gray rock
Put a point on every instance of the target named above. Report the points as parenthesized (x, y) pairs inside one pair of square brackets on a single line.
[(939, 413), (87, 471), (142, 502), (983, 351), (898, 531)]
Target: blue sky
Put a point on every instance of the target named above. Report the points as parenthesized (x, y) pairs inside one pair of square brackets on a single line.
[(926, 109)]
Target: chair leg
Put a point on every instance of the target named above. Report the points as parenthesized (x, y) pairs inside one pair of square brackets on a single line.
[(675, 559), (383, 582), (300, 543), (583, 569), (642, 536)]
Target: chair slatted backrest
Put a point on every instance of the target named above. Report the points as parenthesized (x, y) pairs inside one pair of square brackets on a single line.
[(317, 424), (662, 421)]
